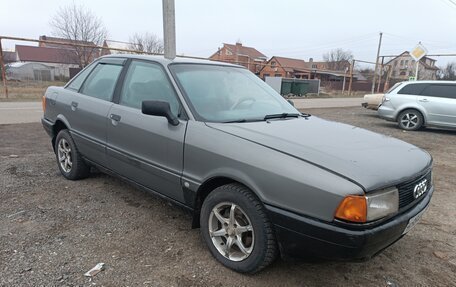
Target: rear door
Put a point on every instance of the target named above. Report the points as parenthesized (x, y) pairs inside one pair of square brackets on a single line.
[(144, 148), (440, 103), (89, 107)]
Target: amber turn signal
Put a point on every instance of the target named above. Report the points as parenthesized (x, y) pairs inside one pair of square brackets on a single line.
[(353, 208), (43, 103)]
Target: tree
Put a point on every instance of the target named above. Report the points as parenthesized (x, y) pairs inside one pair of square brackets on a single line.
[(338, 59), (448, 72), (146, 42), (79, 25)]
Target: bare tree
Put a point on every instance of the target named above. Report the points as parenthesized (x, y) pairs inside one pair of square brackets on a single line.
[(338, 59), (448, 72), (146, 42), (79, 25)]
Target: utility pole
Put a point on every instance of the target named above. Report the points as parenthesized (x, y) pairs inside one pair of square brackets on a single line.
[(2, 66), (351, 77), (169, 29), (376, 62), (380, 75)]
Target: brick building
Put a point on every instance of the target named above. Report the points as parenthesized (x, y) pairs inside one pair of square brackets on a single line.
[(404, 66), (248, 57)]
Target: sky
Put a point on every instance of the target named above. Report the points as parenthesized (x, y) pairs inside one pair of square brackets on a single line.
[(289, 28)]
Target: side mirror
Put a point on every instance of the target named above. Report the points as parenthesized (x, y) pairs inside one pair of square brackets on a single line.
[(161, 109), (290, 102)]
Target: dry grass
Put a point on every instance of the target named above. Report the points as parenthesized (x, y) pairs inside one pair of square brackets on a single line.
[(26, 91)]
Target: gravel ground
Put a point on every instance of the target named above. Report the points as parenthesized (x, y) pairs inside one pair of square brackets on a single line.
[(52, 230)]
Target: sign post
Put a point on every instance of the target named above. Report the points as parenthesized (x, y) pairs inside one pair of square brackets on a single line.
[(417, 53)]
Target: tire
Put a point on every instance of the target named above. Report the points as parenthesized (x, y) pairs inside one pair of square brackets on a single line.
[(410, 120), (69, 160), (250, 229)]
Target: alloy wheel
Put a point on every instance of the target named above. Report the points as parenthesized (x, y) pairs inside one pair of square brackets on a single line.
[(64, 155), (231, 231), (409, 120)]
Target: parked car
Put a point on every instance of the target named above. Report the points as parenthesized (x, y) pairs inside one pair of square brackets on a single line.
[(260, 177), (421, 103), (372, 101)]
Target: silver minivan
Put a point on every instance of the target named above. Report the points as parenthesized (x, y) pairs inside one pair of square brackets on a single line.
[(421, 103)]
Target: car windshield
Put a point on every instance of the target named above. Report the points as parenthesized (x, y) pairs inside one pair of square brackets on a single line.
[(229, 94)]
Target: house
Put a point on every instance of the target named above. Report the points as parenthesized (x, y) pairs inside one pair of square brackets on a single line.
[(108, 45), (404, 66), (298, 68), (248, 57), (61, 40), (285, 68), (338, 66), (60, 60), (83, 54)]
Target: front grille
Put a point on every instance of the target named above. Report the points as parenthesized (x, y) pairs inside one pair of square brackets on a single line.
[(406, 190)]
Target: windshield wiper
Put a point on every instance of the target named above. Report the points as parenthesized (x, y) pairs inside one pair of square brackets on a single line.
[(281, 116), (236, 121)]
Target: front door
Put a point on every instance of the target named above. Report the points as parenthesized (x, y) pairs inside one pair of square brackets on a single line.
[(144, 148)]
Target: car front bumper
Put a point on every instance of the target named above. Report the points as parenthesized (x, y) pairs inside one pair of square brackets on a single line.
[(301, 237)]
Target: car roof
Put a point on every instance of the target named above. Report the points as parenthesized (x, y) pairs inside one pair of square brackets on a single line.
[(164, 61), (429, 82)]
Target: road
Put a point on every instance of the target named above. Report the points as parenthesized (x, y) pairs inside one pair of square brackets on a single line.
[(20, 112), (31, 112)]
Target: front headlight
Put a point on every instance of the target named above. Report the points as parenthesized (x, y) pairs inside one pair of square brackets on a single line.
[(356, 208), (382, 203)]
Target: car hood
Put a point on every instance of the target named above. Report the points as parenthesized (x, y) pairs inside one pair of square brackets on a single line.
[(371, 160)]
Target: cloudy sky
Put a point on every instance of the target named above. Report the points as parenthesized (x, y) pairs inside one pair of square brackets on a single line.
[(291, 28)]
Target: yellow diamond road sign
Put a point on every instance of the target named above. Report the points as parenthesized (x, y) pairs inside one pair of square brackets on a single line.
[(419, 52)]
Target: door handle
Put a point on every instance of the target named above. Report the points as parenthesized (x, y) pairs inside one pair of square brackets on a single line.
[(74, 106), (114, 118), (424, 100)]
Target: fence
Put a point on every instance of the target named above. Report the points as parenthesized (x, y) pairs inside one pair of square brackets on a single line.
[(39, 77)]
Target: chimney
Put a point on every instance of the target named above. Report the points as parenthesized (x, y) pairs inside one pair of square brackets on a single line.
[(42, 38), (238, 48), (311, 60)]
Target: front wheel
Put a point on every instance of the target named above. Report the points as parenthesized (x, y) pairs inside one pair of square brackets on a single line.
[(69, 160), (236, 229), (410, 120)]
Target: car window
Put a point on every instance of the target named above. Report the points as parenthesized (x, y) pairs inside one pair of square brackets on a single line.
[(147, 82), (443, 91), (102, 81), (393, 87), (77, 81), (413, 89)]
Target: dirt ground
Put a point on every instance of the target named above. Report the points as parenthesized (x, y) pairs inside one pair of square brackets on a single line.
[(52, 230)]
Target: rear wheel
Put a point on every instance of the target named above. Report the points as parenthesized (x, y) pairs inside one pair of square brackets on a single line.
[(236, 229), (69, 160), (410, 120)]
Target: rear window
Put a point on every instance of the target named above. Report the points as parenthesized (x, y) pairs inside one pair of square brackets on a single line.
[(443, 91), (413, 89)]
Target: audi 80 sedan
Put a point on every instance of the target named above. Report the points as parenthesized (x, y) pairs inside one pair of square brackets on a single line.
[(260, 177)]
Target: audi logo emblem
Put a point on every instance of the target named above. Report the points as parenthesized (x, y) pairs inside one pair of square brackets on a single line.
[(420, 188)]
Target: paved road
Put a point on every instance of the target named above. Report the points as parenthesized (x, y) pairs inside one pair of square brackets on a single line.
[(20, 112), (327, 103), (30, 112)]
